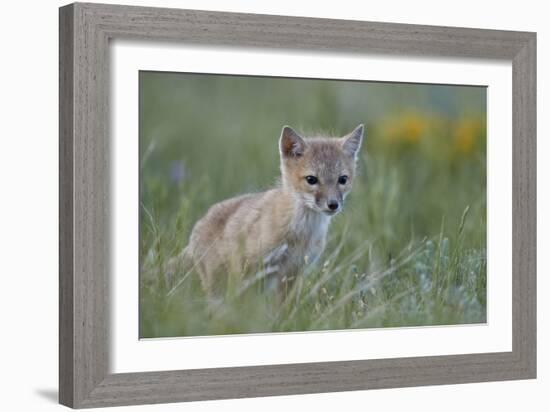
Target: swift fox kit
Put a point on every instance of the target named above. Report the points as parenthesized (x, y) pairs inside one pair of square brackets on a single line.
[(276, 233)]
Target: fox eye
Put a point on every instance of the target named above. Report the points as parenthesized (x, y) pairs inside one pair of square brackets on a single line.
[(312, 180), (343, 180)]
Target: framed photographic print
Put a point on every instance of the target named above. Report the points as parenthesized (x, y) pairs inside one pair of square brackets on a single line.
[(256, 205)]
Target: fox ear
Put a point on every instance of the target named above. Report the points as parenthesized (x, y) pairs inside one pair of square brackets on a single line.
[(290, 143), (352, 142)]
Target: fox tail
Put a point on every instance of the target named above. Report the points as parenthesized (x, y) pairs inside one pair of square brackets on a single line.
[(177, 269)]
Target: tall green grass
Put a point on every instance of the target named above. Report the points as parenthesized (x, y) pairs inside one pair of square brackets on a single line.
[(410, 246)]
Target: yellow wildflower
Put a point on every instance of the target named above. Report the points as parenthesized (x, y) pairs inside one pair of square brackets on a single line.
[(466, 133)]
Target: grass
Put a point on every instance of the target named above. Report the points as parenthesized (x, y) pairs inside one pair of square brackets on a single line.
[(409, 248)]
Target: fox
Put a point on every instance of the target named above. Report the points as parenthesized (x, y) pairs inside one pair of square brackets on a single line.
[(277, 233)]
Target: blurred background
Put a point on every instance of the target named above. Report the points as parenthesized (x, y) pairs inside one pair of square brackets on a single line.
[(409, 248)]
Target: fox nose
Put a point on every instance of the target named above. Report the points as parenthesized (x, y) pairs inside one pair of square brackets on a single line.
[(332, 204)]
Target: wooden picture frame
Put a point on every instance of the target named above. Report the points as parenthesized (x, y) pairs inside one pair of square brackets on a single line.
[(85, 31)]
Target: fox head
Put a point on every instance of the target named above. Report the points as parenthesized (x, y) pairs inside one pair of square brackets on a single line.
[(319, 171)]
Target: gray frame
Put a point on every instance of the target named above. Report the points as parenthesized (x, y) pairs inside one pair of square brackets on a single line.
[(85, 31)]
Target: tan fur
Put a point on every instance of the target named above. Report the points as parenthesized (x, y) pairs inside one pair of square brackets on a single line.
[(279, 231)]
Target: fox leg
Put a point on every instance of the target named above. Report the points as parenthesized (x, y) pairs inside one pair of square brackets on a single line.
[(285, 284), (207, 279)]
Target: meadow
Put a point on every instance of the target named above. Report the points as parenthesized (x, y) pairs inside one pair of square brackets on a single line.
[(409, 248)]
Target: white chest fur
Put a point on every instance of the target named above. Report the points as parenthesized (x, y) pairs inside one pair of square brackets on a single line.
[(308, 232), (304, 243)]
